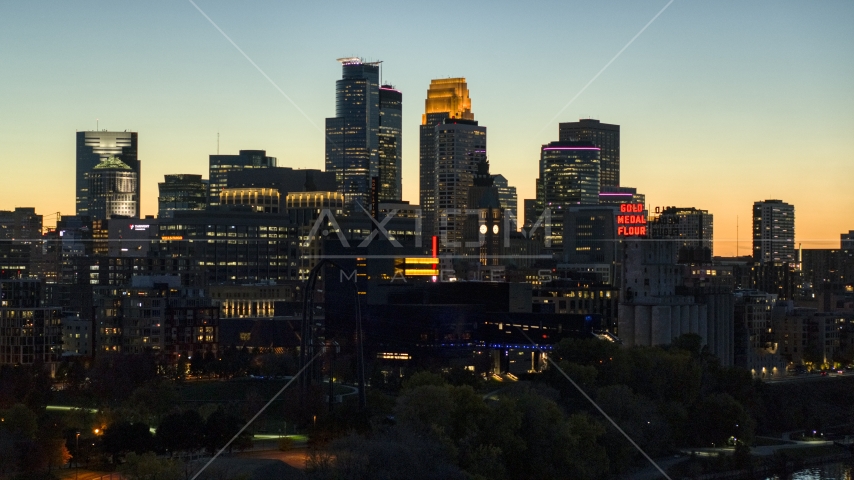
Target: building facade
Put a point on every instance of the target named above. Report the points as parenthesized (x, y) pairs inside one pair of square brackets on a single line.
[(446, 98), (220, 166), (460, 147), (181, 192), (95, 147), (352, 135), (774, 232), (687, 227), (113, 190), (603, 135), (30, 332), (569, 175), (390, 146)]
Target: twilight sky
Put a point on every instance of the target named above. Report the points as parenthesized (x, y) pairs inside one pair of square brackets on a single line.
[(720, 103)]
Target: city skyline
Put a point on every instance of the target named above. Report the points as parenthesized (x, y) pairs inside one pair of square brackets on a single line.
[(712, 85)]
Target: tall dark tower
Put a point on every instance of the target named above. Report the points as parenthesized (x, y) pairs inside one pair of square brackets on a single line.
[(95, 147), (390, 146), (603, 135), (352, 135), (446, 98)]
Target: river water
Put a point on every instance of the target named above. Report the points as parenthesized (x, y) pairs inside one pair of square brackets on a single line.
[(832, 471)]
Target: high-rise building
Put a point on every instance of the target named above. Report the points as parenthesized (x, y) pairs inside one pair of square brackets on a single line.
[(390, 153), (446, 98), (460, 147), (181, 192), (221, 165), (569, 175), (96, 147), (603, 135), (506, 194), (112, 190), (774, 232), (31, 332), (20, 242), (352, 135), (688, 227)]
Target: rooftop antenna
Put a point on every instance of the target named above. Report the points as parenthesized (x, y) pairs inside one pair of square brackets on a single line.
[(97, 126), (217, 143)]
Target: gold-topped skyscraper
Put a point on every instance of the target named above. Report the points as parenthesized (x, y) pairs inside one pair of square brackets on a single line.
[(446, 98)]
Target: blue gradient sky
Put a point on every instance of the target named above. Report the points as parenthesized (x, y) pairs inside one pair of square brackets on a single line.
[(720, 103)]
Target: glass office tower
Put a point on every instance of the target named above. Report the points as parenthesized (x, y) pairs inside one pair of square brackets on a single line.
[(390, 156), (95, 147), (569, 175), (352, 135), (605, 136), (446, 98)]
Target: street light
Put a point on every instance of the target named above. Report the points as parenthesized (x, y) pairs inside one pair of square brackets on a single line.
[(76, 453)]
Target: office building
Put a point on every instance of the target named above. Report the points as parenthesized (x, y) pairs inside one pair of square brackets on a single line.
[(96, 147), (774, 232), (689, 228), (569, 175), (181, 193), (220, 166), (30, 332), (113, 190), (352, 135), (506, 194), (390, 147), (460, 147), (260, 200), (446, 98), (603, 135), (20, 242)]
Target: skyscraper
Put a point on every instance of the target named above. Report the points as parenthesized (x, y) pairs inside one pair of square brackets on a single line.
[(460, 147), (352, 135), (569, 175), (390, 155), (603, 135), (112, 190), (446, 98), (180, 193), (95, 147), (219, 167), (773, 232), (506, 195)]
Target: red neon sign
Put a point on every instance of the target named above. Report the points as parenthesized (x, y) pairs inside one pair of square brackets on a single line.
[(633, 224)]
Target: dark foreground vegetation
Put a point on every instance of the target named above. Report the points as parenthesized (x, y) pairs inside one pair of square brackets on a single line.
[(136, 417)]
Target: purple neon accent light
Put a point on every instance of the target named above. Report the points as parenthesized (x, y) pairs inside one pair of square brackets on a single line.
[(390, 89), (619, 194), (571, 148)]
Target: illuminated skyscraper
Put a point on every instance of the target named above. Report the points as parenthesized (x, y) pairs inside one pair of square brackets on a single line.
[(352, 135), (112, 190), (506, 195), (390, 146), (773, 232), (446, 98), (95, 147), (603, 135), (460, 145), (569, 175)]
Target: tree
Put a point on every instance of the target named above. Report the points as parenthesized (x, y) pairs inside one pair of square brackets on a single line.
[(148, 467), (124, 437), (181, 432), (221, 427)]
